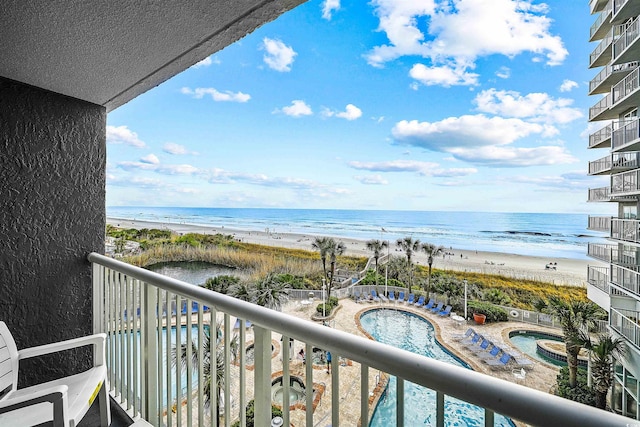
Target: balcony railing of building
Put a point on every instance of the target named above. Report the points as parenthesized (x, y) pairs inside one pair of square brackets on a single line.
[(597, 58), (625, 133), (602, 252), (626, 278), (600, 166), (609, 76), (604, 17), (628, 35), (136, 308), (600, 194), (600, 107), (625, 323), (599, 223), (615, 162), (623, 10), (625, 230), (601, 136), (625, 183), (598, 277), (626, 86), (617, 5)]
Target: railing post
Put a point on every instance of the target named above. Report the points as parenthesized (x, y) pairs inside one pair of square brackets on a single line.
[(262, 380), (439, 409), (150, 355)]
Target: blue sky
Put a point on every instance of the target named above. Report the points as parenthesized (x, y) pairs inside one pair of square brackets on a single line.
[(465, 105)]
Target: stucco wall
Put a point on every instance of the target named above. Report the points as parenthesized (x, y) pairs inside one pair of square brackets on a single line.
[(52, 213)]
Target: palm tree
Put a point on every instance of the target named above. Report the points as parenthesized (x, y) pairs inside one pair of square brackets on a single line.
[(602, 353), (179, 356), (409, 246), (432, 251), (240, 290), (331, 249), (270, 292), (377, 246), (573, 316)]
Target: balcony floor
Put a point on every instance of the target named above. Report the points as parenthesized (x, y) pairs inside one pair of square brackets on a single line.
[(119, 418)]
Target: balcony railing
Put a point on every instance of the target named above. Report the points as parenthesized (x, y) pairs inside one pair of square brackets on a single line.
[(600, 194), (625, 133), (602, 252), (626, 86), (615, 162), (625, 183), (628, 36), (598, 277), (600, 223), (604, 16), (626, 278), (603, 46), (625, 322), (600, 107), (600, 165), (131, 302), (625, 230), (600, 135)]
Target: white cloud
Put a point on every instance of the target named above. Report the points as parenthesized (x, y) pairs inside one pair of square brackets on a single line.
[(279, 56), (371, 179), (568, 85), (328, 6), (351, 112), (227, 96), (297, 108), (158, 168), (422, 168), (538, 107), (503, 72), (176, 149), (444, 75), (459, 32), (204, 63), (507, 156), (151, 159), (123, 135)]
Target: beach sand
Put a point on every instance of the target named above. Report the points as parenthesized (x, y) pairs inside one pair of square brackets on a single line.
[(567, 271)]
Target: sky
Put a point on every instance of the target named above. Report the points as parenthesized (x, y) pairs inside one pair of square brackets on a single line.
[(447, 105)]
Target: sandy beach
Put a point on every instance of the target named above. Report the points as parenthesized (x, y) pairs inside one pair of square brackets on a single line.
[(567, 271)]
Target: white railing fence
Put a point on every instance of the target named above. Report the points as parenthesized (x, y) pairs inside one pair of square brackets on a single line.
[(130, 302)]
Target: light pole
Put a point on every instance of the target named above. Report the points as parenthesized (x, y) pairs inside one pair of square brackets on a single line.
[(324, 297), (386, 272), (465, 299)]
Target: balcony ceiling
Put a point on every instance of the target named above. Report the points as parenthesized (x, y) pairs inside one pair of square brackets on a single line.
[(109, 52)]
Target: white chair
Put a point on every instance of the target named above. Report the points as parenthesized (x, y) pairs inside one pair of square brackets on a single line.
[(64, 401), (519, 374)]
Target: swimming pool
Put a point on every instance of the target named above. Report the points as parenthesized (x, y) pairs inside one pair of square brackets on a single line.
[(413, 333)]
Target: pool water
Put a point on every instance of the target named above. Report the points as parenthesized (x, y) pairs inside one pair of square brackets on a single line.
[(526, 342), (413, 333)]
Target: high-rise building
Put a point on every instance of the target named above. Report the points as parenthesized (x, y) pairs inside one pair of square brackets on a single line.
[(616, 286)]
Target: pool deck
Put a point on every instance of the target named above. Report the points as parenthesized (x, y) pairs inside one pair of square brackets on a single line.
[(540, 376)]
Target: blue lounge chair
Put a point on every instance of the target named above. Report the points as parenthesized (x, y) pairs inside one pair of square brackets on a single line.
[(420, 301), (500, 363), (392, 296), (411, 299), (483, 346), (374, 296), (401, 296), (430, 304), (471, 340), (467, 334), (437, 308), (356, 296), (492, 354), (476, 342), (445, 312)]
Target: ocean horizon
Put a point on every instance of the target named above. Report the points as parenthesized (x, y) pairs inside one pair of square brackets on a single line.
[(553, 235)]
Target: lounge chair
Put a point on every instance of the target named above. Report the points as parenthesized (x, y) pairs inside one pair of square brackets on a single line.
[(445, 312), (420, 301), (478, 343), (401, 296), (437, 308), (383, 298), (492, 354), (356, 296), (500, 363), (392, 296), (374, 296), (411, 299), (467, 334), (472, 340), (430, 304), (65, 401)]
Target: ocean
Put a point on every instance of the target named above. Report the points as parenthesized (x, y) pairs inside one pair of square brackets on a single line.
[(540, 234)]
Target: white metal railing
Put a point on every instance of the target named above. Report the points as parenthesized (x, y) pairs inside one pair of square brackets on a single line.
[(600, 194), (627, 278), (600, 135), (626, 132), (598, 277), (625, 322), (602, 46), (626, 230), (599, 223), (603, 252), (628, 36), (600, 165), (617, 5), (600, 106), (142, 380), (625, 183), (625, 87), (603, 17)]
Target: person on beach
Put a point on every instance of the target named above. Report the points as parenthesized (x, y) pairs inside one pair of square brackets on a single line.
[(328, 362)]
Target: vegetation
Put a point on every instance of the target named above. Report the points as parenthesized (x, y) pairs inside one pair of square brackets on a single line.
[(602, 353), (432, 251), (328, 248), (377, 246), (581, 392), (409, 246), (493, 313), (250, 411)]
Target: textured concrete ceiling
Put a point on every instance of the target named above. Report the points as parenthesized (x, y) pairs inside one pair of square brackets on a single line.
[(109, 51)]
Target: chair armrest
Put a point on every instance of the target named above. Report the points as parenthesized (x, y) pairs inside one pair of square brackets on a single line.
[(26, 409), (49, 394), (98, 340)]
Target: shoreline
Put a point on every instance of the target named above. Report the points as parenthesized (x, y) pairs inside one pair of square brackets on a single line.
[(568, 271)]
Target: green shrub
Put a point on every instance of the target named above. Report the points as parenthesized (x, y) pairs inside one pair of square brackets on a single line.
[(328, 307), (493, 313), (275, 412), (580, 393)]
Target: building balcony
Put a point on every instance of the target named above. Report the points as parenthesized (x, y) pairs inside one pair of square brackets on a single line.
[(602, 252), (609, 76), (625, 94), (622, 9), (600, 223), (625, 323), (603, 194), (601, 26), (598, 287), (601, 55), (626, 135), (596, 6), (616, 162), (602, 137), (625, 230), (601, 111), (625, 184), (136, 308), (626, 280), (626, 47)]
